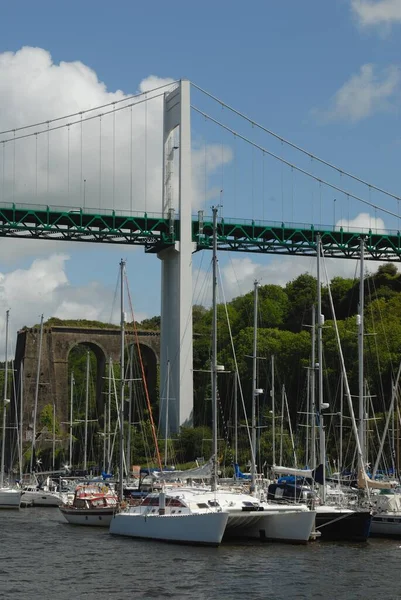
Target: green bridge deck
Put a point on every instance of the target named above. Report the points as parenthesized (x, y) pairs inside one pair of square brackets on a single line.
[(156, 233)]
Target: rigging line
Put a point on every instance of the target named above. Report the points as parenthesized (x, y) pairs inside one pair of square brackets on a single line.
[(236, 364), (109, 112), (152, 423), (292, 145), (88, 110), (299, 169)]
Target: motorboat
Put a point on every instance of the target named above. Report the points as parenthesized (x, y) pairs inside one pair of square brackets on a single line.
[(93, 504)]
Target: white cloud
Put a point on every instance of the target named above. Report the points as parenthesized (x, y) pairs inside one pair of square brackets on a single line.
[(368, 92), (362, 223), (112, 162), (44, 287), (377, 12)]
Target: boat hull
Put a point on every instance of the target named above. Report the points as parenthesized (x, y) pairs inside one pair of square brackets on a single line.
[(386, 525), (289, 526), (10, 498), (41, 499), (197, 529), (88, 517), (347, 526)]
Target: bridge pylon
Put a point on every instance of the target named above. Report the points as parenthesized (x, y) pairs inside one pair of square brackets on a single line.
[(176, 403)]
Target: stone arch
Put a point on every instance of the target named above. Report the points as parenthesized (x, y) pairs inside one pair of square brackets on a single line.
[(58, 340), (101, 359)]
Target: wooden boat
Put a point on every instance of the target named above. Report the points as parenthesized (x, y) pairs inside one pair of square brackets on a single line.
[(93, 504)]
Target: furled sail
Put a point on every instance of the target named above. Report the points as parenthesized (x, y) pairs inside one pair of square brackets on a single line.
[(202, 472), (307, 473), (364, 481)]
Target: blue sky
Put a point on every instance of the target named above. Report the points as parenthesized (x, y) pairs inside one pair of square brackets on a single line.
[(325, 75)]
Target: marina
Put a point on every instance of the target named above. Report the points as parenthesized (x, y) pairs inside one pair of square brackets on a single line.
[(200, 301)]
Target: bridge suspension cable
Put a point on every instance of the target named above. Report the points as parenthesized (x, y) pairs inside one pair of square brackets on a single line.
[(295, 146), (88, 110), (80, 121), (295, 167)]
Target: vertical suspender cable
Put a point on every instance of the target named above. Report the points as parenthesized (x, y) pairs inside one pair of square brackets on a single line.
[(100, 161), (131, 159), (114, 157)]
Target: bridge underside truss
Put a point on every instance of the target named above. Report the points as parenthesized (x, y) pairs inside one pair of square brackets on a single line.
[(156, 233)]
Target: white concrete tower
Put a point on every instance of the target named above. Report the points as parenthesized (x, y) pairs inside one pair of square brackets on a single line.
[(176, 270)]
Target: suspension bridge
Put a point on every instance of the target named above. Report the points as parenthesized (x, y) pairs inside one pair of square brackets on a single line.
[(132, 172)]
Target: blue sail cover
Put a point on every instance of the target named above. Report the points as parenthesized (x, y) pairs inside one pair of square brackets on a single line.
[(238, 473)]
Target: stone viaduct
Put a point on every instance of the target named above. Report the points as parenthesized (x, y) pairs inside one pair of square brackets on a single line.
[(57, 343)]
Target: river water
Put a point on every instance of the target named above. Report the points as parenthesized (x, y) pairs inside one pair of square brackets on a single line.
[(41, 557)]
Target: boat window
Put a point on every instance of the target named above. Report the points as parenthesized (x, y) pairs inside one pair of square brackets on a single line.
[(151, 501), (173, 502), (202, 505), (213, 503), (248, 503)]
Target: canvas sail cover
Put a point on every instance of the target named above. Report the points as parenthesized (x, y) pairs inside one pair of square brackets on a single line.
[(364, 481), (307, 473)]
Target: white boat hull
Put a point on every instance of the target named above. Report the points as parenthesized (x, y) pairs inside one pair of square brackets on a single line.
[(206, 528), (41, 499), (386, 525), (288, 526), (10, 498), (89, 517)]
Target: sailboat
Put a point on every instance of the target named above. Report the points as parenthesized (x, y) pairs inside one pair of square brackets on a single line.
[(169, 515), (249, 516), (9, 497), (335, 522)]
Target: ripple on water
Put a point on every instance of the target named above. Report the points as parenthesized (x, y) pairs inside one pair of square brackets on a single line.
[(42, 557)]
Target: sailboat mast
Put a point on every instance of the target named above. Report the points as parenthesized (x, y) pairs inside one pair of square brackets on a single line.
[(5, 402), (122, 379), (131, 383), (273, 399), (54, 437), (254, 382), (71, 412), (109, 417), (236, 417), (322, 440), (86, 412), (214, 350), (313, 391), (21, 421), (361, 411), (166, 427), (35, 410)]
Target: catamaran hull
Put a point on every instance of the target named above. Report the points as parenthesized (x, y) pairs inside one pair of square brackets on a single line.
[(204, 529), (41, 499), (386, 525), (290, 526), (344, 526), (10, 498), (89, 516)]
